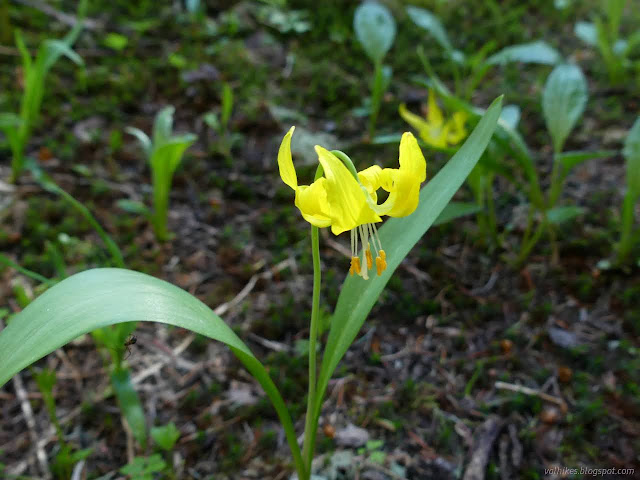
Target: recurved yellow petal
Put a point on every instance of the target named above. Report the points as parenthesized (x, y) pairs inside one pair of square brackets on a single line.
[(417, 122), (313, 204), (434, 114), (457, 131), (411, 158), (285, 162), (403, 184), (347, 200)]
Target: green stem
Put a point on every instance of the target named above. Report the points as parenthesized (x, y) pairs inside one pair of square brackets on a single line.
[(310, 428), (624, 247), (376, 98), (557, 179), (528, 246)]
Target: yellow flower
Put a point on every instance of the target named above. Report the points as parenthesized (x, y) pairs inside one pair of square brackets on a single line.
[(434, 130), (340, 200)]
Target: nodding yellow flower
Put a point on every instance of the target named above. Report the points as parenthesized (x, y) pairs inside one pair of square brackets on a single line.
[(434, 130), (343, 202)]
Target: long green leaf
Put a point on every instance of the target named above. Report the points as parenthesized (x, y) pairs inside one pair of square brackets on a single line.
[(571, 159), (534, 52), (563, 101), (432, 24), (106, 296), (631, 152), (398, 236), (130, 404)]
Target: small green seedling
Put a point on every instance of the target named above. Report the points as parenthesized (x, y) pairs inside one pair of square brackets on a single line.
[(164, 154), (18, 127), (469, 69), (66, 457), (143, 468), (375, 29), (165, 437), (219, 122), (604, 34), (631, 154)]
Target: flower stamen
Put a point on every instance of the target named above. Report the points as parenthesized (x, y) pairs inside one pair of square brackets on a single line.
[(370, 240)]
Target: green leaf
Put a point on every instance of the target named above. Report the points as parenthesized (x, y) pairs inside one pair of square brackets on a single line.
[(429, 22), (455, 210), (227, 105), (115, 41), (133, 206), (571, 159), (560, 215), (9, 120), (586, 31), (375, 29), (162, 126), (142, 137), (631, 152), (54, 49), (165, 436), (398, 236), (563, 101), (130, 404), (107, 296), (510, 116), (535, 52)]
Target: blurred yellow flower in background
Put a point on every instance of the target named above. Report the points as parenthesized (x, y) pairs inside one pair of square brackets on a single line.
[(433, 129)]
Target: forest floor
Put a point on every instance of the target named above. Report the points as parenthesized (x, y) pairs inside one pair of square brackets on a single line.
[(436, 376)]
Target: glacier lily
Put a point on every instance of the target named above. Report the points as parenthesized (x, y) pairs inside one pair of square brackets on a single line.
[(433, 129), (344, 199)]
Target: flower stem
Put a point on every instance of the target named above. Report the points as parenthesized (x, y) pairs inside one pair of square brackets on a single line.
[(309, 428)]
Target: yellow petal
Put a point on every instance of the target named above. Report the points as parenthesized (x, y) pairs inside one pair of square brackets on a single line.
[(456, 131), (417, 122), (411, 158), (285, 162), (403, 184), (434, 114), (312, 202), (347, 200)]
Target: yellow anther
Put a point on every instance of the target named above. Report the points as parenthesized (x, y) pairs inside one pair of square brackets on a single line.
[(355, 265), (380, 265), (367, 253), (383, 255)]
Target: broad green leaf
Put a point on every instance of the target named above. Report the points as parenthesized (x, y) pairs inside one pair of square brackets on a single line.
[(563, 101), (455, 210), (169, 154), (510, 116), (429, 22), (142, 137), (571, 159), (535, 52), (162, 126), (398, 236), (586, 31), (560, 215), (107, 296), (133, 206), (54, 49), (631, 152), (115, 41), (165, 436), (375, 28), (130, 404)]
